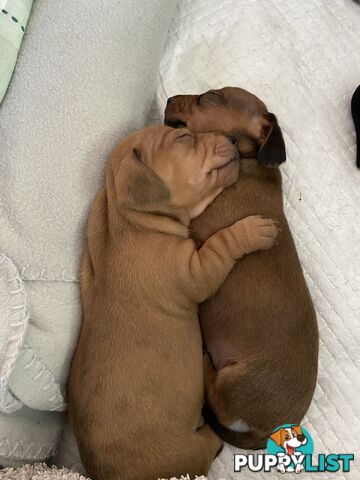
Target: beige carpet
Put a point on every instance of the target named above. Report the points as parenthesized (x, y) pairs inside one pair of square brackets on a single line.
[(40, 471)]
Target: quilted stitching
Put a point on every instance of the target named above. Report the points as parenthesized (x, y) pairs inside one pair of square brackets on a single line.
[(40, 391), (14, 316), (303, 60)]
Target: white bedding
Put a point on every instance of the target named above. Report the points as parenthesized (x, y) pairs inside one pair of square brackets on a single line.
[(303, 60), (81, 84)]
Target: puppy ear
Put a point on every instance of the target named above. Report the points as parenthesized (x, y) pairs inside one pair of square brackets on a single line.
[(277, 437), (272, 151), (297, 429), (137, 185)]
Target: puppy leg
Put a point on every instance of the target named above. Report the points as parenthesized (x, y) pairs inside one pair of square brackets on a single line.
[(210, 265), (209, 446), (194, 457), (214, 399)]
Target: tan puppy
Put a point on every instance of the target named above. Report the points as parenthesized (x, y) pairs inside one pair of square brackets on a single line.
[(260, 328), (136, 381)]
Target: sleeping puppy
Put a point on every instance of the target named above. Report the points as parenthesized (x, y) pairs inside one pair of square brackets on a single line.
[(260, 328), (136, 382)]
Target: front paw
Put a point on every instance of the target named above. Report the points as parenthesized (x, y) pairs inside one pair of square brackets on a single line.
[(257, 233)]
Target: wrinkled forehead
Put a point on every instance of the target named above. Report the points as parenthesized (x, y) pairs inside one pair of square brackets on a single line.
[(151, 141), (153, 138)]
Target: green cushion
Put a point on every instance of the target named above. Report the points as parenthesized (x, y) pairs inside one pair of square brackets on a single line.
[(14, 15)]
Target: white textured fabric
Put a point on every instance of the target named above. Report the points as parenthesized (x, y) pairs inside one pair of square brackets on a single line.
[(303, 60), (86, 76)]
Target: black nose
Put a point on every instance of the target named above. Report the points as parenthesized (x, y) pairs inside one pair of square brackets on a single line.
[(301, 438), (232, 139), (171, 99)]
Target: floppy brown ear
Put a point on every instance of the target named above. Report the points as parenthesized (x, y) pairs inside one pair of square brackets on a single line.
[(272, 151), (277, 437), (137, 185)]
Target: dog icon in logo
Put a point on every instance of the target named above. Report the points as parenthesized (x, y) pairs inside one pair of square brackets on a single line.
[(289, 439)]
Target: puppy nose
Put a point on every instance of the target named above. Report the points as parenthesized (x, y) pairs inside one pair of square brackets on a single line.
[(301, 438), (171, 99), (231, 139)]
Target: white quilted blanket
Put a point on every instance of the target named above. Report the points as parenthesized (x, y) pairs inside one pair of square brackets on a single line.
[(303, 60)]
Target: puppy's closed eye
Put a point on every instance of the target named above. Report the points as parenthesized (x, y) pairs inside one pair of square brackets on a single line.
[(175, 123), (186, 136), (137, 155)]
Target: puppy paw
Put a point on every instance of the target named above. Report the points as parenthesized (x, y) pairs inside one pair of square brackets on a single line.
[(256, 233)]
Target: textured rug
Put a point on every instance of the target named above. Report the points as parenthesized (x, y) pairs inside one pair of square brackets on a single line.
[(40, 471)]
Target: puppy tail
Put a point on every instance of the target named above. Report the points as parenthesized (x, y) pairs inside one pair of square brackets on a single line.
[(247, 440)]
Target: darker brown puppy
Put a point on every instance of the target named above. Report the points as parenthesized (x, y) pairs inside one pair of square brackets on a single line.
[(260, 328)]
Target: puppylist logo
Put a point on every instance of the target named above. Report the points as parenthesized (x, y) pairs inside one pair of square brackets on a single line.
[(290, 448), (293, 442)]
